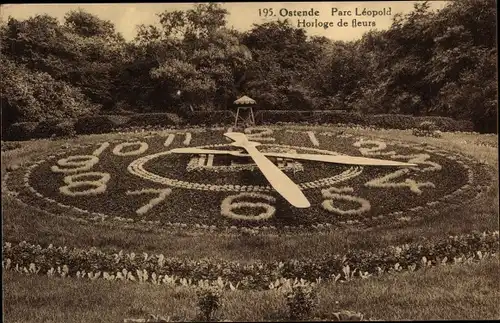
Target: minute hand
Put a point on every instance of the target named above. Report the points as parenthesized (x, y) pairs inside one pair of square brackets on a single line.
[(282, 183)]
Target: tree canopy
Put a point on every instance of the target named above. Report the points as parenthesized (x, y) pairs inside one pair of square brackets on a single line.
[(439, 63)]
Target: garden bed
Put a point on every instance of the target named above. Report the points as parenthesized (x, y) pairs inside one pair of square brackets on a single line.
[(200, 196)]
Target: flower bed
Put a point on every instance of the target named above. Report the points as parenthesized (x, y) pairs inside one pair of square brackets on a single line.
[(124, 182), (158, 269)]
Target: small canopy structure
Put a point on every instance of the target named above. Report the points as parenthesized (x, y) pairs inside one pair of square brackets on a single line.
[(245, 100), (246, 104)]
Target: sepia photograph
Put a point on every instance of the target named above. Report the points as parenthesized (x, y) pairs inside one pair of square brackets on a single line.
[(249, 161)]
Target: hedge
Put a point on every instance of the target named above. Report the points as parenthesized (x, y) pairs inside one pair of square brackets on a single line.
[(21, 131), (108, 123), (154, 119), (400, 121), (210, 118), (56, 128), (94, 125), (313, 117)]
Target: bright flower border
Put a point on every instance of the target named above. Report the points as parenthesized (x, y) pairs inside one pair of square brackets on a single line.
[(94, 264), (86, 163), (334, 193), (228, 205), (143, 146), (71, 181)]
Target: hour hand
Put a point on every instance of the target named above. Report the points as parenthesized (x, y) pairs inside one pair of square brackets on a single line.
[(281, 183)]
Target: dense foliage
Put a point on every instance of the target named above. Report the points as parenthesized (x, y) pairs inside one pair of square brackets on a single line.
[(427, 63), (32, 96)]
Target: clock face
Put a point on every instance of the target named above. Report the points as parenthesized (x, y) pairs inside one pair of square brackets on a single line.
[(141, 180)]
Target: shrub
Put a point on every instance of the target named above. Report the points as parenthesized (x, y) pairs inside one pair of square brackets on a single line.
[(344, 117), (54, 128), (95, 124), (447, 124), (301, 301), (209, 301), (210, 118), (117, 119), (343, 316), (427, 126), (318, 117), (463, 125), (275, 116), (176, 119), (405, 122), (21, 131), (153, 119), (392, 121), (45, 129), (10, 145), (65, 128), (427, 129)]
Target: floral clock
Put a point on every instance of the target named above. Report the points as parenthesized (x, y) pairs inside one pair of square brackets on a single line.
[(141, 180)]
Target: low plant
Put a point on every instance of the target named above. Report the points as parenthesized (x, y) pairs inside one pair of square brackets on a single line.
[(209, 301), (209, 118), (301, 301), (65, 128), (153, 119), (10, 145), (158, 269), (94, 125), (21, 131), (427, 129), (428, 126)]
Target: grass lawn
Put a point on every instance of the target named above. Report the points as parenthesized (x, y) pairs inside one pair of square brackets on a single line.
[(452, 292)]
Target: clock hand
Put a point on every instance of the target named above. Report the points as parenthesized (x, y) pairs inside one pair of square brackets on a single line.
[(281, 183), (341, 159), (336, 159), (206, 151)]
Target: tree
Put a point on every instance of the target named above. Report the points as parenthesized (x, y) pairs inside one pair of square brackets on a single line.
[(342, 71), (85, 24), (416, 65), (462, 71), (196, 54), (284, 62), (36, 96), (85, 52)]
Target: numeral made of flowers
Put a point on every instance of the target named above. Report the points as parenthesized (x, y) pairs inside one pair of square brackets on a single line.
[(118, 150), (228, 206), (101, 149), (259, 134), (420, 159), (385, 182), (335, 194), (74, 164), (162, 195), (373, 151), (74, 181), (171, 137)]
